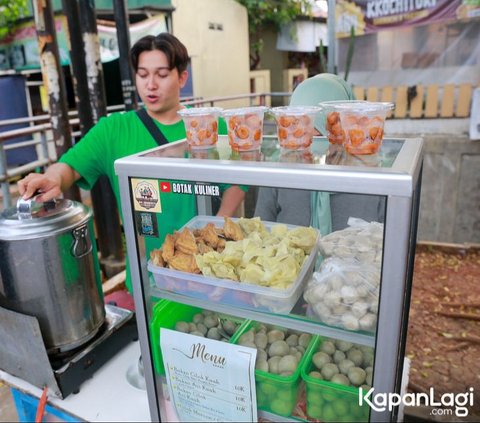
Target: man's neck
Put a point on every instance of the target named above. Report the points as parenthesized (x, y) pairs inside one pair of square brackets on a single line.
[(168, 117)]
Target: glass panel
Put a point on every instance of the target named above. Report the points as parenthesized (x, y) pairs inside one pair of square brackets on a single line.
[(321, 152), (330, 391), (264, 269)]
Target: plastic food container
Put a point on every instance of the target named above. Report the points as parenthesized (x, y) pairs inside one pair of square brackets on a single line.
[(327, 401), (241, 294), (363, 124), (245, 127), (360, 240), (201, 125), (165, 315), (275, 393), (331, 116), (295, 126), (344, 293)]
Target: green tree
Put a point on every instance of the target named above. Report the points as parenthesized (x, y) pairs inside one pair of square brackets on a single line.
[(264, 13), (10, 12)]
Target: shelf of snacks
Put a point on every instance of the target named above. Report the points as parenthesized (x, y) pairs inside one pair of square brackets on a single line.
[(325, 313)]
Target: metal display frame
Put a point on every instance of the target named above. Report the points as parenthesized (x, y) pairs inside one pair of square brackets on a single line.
[(399, 183)]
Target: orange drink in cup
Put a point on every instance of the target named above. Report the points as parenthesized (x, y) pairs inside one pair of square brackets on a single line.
[(331, 119), (245, 127), (201, 125), (295, 126), (363, 124)]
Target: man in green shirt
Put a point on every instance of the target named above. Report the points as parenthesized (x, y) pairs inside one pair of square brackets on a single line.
[(160, 65)]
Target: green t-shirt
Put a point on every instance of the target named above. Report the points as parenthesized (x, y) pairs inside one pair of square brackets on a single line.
[(123, 134)]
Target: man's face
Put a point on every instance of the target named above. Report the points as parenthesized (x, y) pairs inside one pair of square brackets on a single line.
[(157, 85)]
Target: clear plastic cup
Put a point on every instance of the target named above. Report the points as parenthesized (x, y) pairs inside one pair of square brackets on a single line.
[(201, 125), (331, 118), (363, 124), (245, 127), (295, 128)]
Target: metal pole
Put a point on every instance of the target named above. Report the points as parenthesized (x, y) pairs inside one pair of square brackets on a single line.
[(54, 82), (123, 37), (6, 184), (96, 87), (91, 105), (331, 36), (77, 65)]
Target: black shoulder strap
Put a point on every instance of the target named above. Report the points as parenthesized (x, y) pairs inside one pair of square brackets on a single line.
[(152, 127)]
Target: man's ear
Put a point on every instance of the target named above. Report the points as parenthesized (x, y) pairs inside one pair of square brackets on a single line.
[(183, 78)]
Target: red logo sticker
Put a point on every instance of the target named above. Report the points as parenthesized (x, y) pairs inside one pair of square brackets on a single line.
[(165, 187)]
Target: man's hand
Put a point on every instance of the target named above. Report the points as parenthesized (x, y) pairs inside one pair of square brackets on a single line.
[(49, 185), (33, 183)]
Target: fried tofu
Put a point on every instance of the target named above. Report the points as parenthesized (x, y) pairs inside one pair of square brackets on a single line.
[(185, 242), (232, 230), (209, 235), (156, 257), (184, 262), (221, 245), (203, 248), (168, 248)]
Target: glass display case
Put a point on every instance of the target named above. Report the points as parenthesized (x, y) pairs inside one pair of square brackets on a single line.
[(347, 292)]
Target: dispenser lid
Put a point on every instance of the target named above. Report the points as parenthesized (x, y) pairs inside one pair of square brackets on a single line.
[(30, 219)]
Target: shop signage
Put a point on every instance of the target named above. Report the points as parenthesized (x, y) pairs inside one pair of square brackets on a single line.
[(192, 189), (368, 16), (209, 380), (19, 51), (108, 35)]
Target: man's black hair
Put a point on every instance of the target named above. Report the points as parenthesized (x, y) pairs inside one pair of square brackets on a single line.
[(171, 46)]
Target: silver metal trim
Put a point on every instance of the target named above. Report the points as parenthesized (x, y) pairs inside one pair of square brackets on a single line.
[(396, 180), (392, 293), (138, 297)]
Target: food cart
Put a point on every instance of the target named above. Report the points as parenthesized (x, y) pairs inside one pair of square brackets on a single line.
[(151, 181)]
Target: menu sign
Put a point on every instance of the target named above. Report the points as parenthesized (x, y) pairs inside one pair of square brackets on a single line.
[(209, 380)]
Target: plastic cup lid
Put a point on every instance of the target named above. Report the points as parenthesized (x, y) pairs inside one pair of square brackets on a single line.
[(334, 103), (364, 106), (244, 110), (200, 111), (295, 110)]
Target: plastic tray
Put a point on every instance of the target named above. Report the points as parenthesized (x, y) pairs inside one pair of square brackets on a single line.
[(275, 393), (165, 315), (238, 294), (327, 401)]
